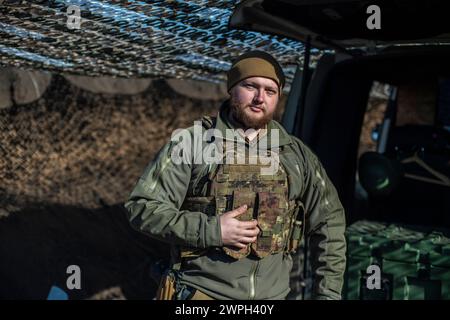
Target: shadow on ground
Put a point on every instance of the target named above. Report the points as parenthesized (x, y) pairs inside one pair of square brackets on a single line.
[(38, 243)]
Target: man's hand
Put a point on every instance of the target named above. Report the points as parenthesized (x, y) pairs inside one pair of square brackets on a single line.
[(237, 233)]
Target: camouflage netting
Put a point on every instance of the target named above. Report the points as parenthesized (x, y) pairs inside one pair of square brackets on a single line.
[(78, 148), (175, 39)]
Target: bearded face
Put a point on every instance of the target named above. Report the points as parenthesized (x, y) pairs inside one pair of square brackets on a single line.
[(253, 102)]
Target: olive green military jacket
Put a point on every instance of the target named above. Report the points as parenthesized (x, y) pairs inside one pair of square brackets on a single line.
[(154, 208)]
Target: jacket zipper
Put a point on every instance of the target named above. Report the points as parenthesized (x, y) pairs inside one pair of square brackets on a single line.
[(253, 281)]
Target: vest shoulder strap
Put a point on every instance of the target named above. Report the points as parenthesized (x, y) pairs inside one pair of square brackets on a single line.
[(209, 122)]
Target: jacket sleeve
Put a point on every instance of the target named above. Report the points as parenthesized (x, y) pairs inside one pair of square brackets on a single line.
[(154, 205), (325, 227)]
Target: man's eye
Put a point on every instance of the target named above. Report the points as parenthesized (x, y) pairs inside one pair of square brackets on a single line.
[(271, 92)]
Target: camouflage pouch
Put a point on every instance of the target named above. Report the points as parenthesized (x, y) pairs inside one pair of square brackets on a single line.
[(296, 237), (272, 220), (240, 198), (298, 221)]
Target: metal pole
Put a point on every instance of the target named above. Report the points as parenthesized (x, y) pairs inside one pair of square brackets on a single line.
[(301, 106), (299, 127), (290, 111)]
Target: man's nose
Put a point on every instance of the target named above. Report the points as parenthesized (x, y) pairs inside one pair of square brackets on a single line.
[(259, 96)]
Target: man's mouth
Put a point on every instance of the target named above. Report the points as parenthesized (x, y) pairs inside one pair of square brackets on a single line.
[(256, 109)]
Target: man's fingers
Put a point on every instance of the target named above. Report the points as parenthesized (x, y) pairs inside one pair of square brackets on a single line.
[(244, 241), (250, 232), (247, 239), (248, 224), (238, 211)]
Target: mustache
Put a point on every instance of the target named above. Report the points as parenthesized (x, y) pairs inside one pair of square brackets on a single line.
[(256, 106)]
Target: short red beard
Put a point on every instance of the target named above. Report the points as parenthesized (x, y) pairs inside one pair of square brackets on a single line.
[(239, 114)]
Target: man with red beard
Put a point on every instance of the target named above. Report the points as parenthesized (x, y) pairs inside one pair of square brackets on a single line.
[(232, 226)]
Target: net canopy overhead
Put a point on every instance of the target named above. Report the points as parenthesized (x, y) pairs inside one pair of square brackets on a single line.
[(159, 38)]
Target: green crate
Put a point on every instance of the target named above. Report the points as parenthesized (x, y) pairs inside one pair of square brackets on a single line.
[(406, 254), (422, 289), (443, 275), (355, 267), (415, 261), (364, 246), (400, 271), (441, 258)]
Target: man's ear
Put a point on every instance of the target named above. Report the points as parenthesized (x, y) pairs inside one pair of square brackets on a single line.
[(280, 91)]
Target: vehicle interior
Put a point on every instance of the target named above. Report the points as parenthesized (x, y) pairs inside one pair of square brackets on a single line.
[(333, 121), (336, 92), (396, 193)]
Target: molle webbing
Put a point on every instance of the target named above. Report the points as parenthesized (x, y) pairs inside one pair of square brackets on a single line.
[(266, 196)]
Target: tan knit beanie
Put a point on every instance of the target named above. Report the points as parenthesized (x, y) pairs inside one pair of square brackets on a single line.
[(255, 64)]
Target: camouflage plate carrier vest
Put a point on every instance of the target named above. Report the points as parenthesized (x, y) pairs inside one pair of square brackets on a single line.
[(242, 182)]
